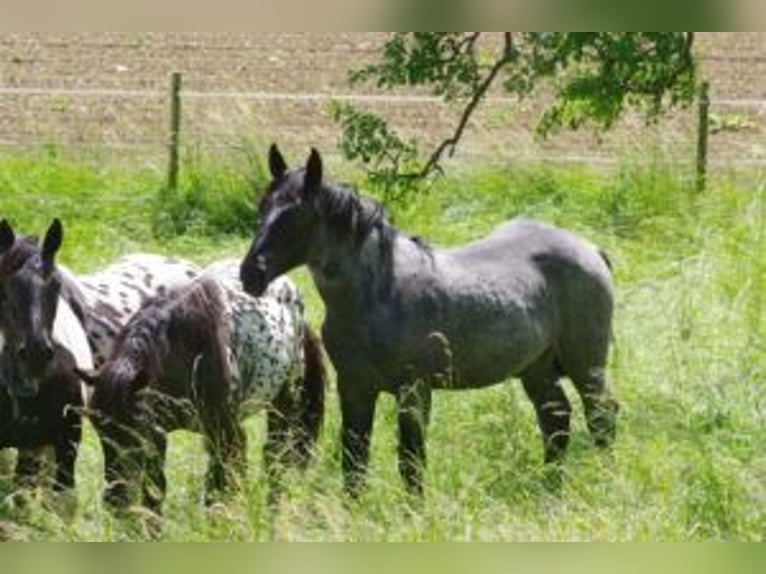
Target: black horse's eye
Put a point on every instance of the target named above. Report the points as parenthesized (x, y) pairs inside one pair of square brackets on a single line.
[(257, 220)]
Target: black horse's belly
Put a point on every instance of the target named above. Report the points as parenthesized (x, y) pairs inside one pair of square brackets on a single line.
[(26, 432)]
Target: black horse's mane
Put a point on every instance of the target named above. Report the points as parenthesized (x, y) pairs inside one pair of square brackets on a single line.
[(344, 209)]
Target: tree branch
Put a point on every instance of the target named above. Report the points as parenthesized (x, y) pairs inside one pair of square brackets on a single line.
[(451, 142), (605, 71)]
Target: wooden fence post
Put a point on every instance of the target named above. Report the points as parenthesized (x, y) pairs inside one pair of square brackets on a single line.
[(703, 107), (175, 131)]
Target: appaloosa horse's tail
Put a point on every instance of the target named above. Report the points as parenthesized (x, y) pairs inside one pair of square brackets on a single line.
[(312, 396)]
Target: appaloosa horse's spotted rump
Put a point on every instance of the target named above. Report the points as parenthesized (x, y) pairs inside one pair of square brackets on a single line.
[(265, 335)]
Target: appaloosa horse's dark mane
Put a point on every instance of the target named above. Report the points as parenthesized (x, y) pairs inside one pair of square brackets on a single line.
[(145, 341)]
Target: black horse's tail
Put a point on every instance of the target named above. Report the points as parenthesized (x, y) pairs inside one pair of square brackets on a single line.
[(311, 404), (605, 256)]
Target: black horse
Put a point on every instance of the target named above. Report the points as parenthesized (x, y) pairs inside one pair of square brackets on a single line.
[(52, 417), (41, 396), (529, 300)]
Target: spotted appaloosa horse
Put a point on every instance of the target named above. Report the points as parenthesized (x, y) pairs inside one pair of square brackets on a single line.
[(203, 357)]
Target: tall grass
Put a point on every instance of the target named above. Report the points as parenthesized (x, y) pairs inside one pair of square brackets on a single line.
[(688, 364)]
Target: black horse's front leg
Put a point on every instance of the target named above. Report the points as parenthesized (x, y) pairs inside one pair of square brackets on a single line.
[(29, 463), (67, 445), (414, 412), (66, 456), (357, 407)]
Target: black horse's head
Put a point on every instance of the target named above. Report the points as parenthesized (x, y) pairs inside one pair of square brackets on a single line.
[(287, 221), (127, 420), (30, 286), (117, 412)]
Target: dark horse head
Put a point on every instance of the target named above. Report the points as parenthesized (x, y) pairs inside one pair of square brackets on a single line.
[(302, 219), (118, 406), (29, 291), (116, 410)]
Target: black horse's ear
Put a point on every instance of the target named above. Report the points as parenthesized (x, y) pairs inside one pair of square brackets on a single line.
[(87, 376), (7, 237), (313, 171), (51, 244), (277, 164)]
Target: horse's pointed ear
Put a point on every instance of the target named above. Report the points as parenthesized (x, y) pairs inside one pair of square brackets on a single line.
[(313, 171), (87, 376), (277, 164), (52, 242), (7, 237)]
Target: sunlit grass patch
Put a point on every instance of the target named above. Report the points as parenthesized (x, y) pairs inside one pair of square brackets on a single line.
[(688, 365)]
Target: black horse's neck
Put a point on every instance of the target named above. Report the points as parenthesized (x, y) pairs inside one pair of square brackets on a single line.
[(353, 266)]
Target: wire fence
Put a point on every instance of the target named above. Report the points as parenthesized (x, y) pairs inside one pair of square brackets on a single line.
[(137, 121), (102, 94)]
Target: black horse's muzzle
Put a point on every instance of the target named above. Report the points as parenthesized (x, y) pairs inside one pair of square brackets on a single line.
[(35, 356), (253, 275)]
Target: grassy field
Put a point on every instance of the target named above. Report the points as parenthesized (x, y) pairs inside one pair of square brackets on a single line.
[(689, 364)]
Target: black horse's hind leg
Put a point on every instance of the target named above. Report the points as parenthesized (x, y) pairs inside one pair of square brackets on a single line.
[(226, 448), (357, 406), (600, 407), (414, 411), (542, 385), (155, 483)]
